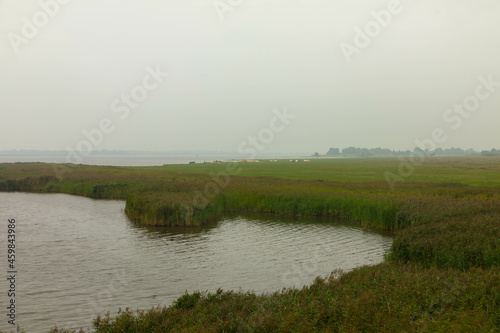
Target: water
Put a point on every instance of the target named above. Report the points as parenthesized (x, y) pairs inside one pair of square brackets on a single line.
[(79, 257), (117, 160), (135, 160)]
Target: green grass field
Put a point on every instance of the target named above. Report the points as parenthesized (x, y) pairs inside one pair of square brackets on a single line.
[(479, 171), (441, 273)]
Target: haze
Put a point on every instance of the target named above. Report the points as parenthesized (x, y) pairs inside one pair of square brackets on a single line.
[(228, 71)]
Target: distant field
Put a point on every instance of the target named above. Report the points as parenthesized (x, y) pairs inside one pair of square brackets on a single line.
[(477, 171), (377, 192)]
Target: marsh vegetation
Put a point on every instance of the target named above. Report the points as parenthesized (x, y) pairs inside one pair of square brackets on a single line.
[(441, 273)]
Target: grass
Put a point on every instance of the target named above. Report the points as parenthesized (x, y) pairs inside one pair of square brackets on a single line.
[(477, 171), (441, 273), (382, 298), (459, 243)]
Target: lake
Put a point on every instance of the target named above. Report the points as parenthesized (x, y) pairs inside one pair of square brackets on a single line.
[(135, 160), (79, 257)]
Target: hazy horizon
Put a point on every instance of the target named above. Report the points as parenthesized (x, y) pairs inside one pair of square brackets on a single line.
[(62, 152), (231, 76)]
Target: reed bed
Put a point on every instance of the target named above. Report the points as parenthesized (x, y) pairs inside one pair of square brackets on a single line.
[(382, 298)]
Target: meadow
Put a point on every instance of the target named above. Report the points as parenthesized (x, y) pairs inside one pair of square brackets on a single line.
[(441, 273)]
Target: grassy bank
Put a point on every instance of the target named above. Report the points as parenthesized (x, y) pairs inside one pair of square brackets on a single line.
[(165, 196), (441, 271), (382, 298)]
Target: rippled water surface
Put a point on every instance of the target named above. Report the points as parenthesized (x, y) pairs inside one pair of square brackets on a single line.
[(79, 257)]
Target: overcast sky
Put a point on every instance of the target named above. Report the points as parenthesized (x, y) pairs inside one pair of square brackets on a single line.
[(68, 67)]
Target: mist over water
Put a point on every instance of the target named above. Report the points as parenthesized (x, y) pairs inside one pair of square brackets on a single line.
[(80, 257), (137, 160)]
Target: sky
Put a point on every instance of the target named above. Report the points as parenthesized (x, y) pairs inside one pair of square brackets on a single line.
[(226, 75)]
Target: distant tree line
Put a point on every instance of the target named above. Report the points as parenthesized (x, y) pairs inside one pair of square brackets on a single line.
[(385, 152)]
